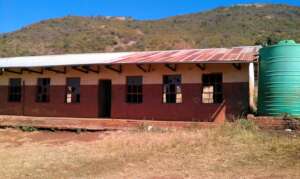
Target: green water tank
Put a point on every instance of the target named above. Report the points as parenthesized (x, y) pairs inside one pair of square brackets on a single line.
[(279, 79)]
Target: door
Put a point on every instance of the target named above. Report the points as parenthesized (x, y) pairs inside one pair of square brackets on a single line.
[(105, 98)]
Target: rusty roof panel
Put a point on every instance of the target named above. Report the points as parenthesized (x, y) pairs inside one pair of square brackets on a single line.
[(238, 54), (244, 54)]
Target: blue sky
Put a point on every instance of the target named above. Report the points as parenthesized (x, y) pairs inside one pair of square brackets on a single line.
[(15, 14)]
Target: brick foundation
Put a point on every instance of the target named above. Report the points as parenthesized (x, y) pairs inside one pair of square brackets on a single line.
[(270, 122)]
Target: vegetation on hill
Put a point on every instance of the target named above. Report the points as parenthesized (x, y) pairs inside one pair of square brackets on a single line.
[(221, 27)]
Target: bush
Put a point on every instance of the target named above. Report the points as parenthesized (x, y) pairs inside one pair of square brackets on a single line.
[(28, 128), (247, 124)]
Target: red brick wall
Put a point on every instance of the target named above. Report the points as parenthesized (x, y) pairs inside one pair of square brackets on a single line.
[(235, 95), (9, 108), (57, 107), (191, 109)]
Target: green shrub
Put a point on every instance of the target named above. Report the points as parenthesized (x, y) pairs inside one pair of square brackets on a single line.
[(28, 128), (247, 124)]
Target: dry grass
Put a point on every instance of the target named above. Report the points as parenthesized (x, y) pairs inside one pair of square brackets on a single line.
[(230, 151)]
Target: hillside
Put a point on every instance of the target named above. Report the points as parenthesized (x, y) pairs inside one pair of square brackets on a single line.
[(222, 27)]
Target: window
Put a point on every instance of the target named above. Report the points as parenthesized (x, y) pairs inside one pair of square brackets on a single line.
[(212, 91), (43, 90), (134, 89), (15, 90), (73, 90), (172, 89)]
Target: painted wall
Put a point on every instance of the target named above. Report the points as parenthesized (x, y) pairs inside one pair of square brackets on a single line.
[(235, 93)]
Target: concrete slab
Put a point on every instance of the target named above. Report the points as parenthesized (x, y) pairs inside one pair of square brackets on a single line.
[(93, 124)]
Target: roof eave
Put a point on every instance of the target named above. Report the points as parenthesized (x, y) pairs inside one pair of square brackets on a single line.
[(201, 62)]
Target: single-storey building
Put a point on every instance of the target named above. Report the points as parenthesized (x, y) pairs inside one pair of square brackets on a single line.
[(185, 85)]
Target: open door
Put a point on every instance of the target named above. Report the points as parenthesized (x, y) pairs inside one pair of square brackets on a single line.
[(105, 98)]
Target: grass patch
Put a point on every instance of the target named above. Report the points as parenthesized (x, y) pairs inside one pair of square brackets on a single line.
[(27, 128), (149, 128), (232, 150)]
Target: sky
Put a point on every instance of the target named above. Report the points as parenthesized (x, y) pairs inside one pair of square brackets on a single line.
[(15, 14)]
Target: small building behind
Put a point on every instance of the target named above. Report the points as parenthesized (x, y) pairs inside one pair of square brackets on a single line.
[(177, 85)]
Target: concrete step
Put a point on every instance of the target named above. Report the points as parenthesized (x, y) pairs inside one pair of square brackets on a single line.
[(92, 124)]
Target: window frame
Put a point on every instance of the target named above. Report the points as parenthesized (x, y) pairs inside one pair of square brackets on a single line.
[(77, 99), (10, 93), (137, 93), (164, 95), (38, 99), (215, 91)]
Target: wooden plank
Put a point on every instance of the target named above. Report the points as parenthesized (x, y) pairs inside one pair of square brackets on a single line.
[(173, 68), (201, 66), (80, 69), (118, 70), (33, 71), (64, 71), (89, 68)]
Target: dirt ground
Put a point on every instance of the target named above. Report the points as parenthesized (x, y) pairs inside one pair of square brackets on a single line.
[(225, 152), (13, 138)]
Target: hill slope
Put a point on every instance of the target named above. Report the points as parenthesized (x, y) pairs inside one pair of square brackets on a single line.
[(233, 26)]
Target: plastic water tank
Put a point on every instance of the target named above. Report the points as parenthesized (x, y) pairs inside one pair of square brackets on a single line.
[(279, 79)]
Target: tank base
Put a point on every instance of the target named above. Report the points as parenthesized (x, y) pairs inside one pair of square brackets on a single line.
[(271, 122)]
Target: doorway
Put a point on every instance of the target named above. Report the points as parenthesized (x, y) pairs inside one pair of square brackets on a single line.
[(105, 98)]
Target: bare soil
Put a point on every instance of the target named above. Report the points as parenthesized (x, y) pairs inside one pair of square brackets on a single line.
[(229, 151)]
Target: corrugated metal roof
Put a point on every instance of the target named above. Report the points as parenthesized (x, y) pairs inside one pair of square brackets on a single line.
[(62, 60), (213, 55)]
